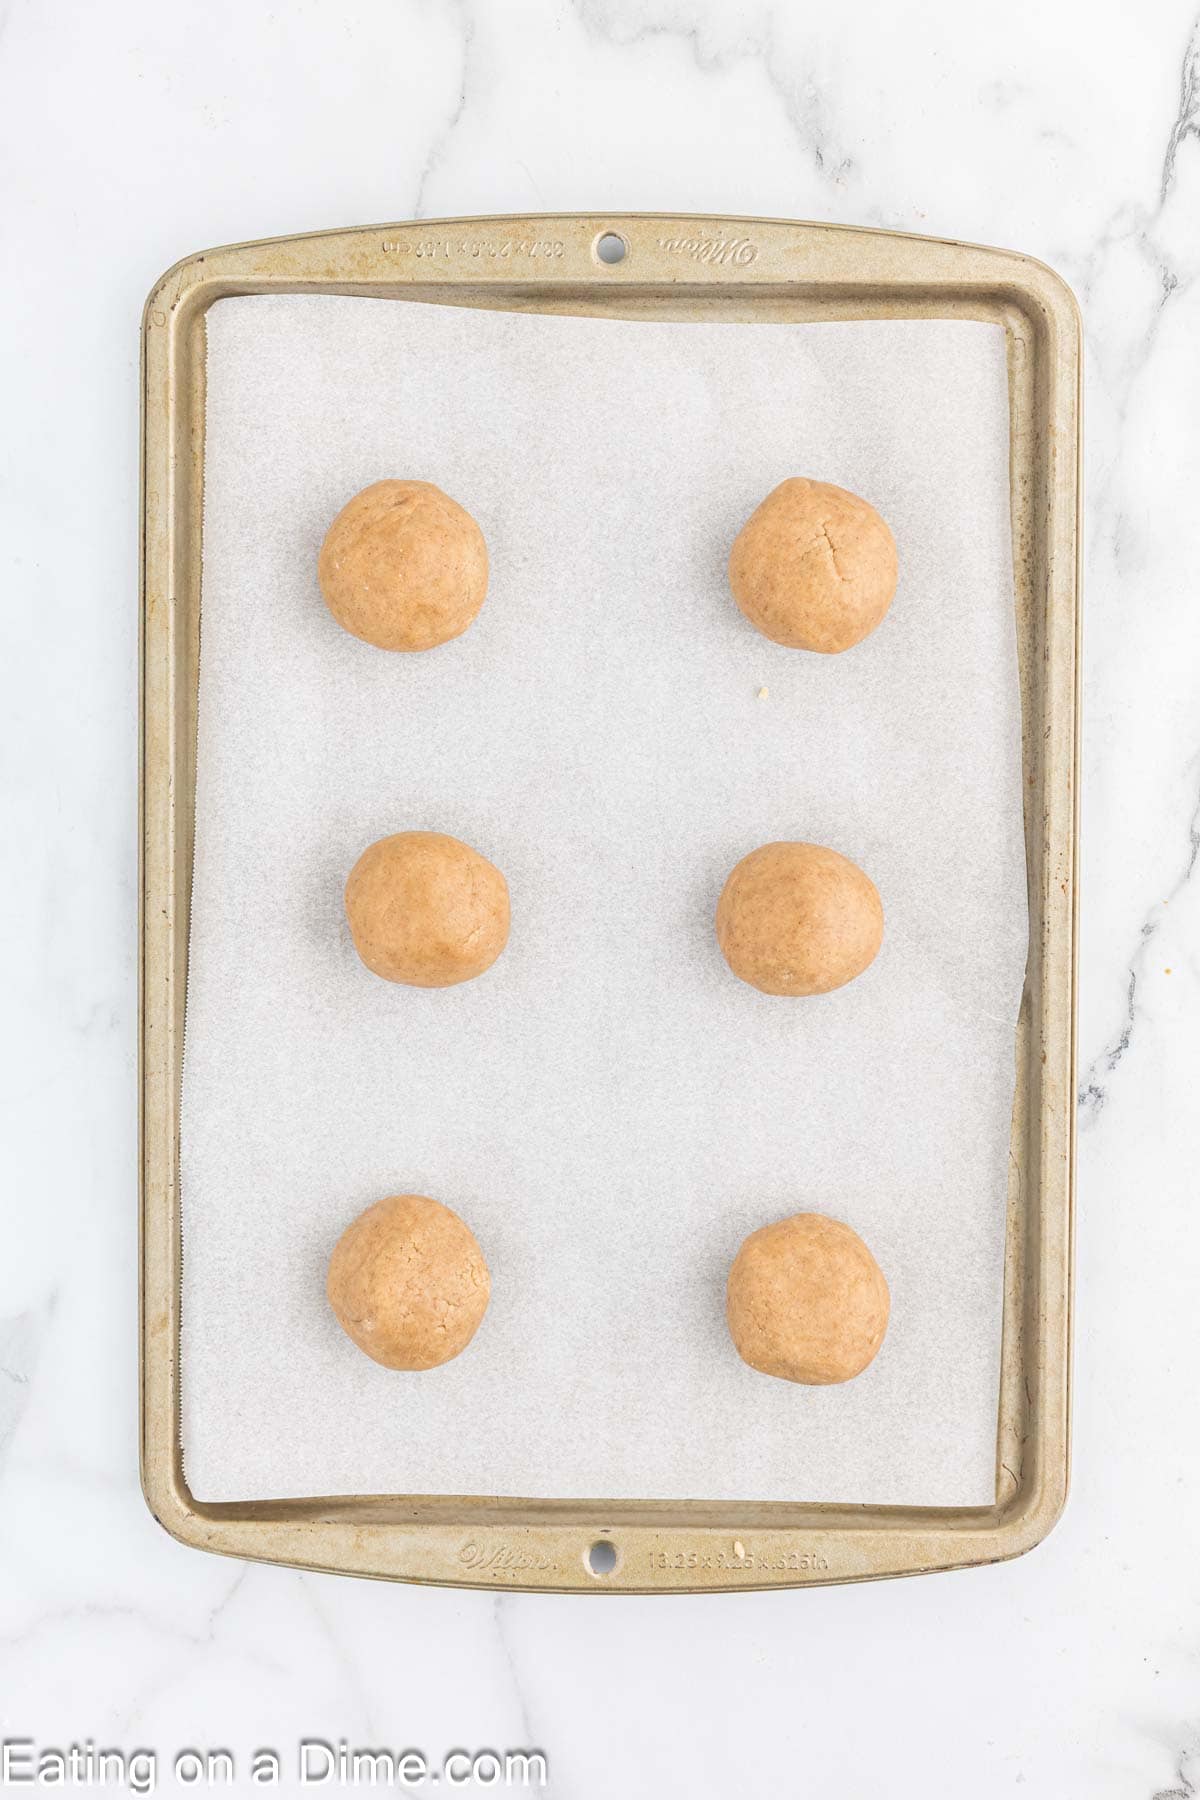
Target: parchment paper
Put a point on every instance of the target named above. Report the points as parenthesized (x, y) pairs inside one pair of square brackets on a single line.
[(608, 1107)]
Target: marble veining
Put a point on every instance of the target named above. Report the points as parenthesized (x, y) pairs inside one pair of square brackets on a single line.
[(1093, 1091), (1187, 119), (138, 133), (437, 149)]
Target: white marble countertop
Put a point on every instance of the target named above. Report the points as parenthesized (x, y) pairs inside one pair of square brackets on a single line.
[(134, 133)]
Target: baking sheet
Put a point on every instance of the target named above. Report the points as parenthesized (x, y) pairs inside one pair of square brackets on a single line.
[(608, 1107)]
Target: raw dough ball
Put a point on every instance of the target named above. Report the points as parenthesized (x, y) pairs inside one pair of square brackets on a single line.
[(408, 1282), (807, 1301), (403, 566), (798, 919), (427, 910), (814, 567)]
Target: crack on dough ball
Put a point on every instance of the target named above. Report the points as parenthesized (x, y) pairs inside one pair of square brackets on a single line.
[(426, 909), (814, 567), (798, 919), (806, 1301), (408, 1282), (403, 566)]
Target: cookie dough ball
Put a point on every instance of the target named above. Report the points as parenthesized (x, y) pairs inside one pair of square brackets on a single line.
[(814, 568), (408, 1282), (807, 1301), (798, 919), (403, 566), (427, 910)]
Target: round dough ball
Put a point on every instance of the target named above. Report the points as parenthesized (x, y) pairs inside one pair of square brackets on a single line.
[(403, 566), (798, 919), (814, 567), (427, 910), (807, 1301), (408, 1282)]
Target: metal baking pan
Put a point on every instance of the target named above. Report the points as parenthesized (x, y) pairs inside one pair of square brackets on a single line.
[(667, 268)]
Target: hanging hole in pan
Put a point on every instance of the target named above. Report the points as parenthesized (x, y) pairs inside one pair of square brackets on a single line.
[(611, 247), (601, 1559)]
